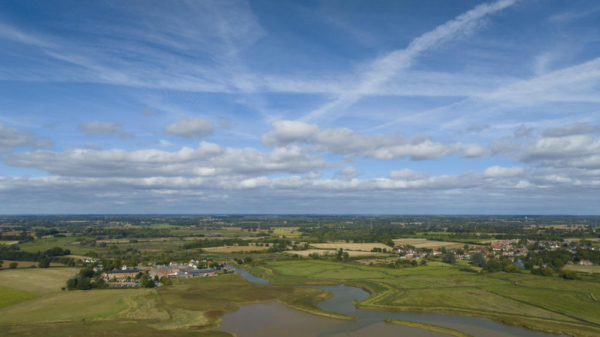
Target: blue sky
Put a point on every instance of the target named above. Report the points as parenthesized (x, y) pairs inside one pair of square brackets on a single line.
[(300, 107)]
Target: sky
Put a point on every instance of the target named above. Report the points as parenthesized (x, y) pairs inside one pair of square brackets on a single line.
[(303, 107)]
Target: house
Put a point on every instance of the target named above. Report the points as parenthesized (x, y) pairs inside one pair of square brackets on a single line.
[(183, 270), (122, 273), (586, 263), (193, 273)]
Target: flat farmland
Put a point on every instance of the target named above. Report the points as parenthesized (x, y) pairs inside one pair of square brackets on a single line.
[(167, 239), (332, 252), (424, 243), (365, 247), (37, 281), (290, 232), (230, 249), (49, 243), (9, 296)]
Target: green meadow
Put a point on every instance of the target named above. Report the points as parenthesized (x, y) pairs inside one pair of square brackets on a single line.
[(549, 304), (41, 245), (33, 304), (9, 296)]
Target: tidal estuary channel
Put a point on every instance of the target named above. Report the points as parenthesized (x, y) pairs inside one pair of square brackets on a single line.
[(277, 320)]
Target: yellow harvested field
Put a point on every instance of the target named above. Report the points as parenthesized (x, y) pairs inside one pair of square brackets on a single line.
[(325, 252), (229, 249), (8, 243), (424, 243), (365, 247), (285, 229)]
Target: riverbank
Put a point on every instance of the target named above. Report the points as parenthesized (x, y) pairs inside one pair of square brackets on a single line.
[(549, 305), (430, 327), (191, 307), (307, 303)]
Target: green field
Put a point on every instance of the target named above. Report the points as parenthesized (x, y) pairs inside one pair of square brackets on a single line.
[(41, 245), (429, 327), (9, 296), (38, 307), (545, 303), (583, 269), (36, 281)]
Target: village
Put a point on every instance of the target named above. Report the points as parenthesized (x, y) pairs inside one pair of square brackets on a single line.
[(510, 249), (161, 274)]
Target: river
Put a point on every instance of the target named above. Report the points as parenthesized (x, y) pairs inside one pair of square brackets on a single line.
[(275, 319)]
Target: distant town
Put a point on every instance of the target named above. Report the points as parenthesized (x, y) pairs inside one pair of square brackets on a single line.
[(511, 269)]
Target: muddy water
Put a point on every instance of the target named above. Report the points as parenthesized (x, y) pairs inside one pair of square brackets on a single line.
[(275, 319)]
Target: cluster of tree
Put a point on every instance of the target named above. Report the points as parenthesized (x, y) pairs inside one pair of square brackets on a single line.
[(568, 275), (21, 238), (497, 265), (146, 281), (127, 233), (478, 259), (278, 246), (379, 250), (40, 232), (246, 260), (405, 263), (11, 265), (544, 271), (449, 257), (87, 279), (12, 252), (555, 259)]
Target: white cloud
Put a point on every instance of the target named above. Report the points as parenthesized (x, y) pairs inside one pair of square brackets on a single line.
[(568, 146), (384, 68), (353, 144), (99, 128), (504, 172), (11, 138), (191, 128), (571, 130), (207, 159), (523, 132), (408, 174), (572, 84), (347, 173)]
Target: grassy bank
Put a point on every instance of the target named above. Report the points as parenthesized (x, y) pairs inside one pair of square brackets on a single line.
[(191, 306), (307, 303), (430, 327), (548, 304)]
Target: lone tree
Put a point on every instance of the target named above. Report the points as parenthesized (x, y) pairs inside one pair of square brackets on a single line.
[(13, 265), (44, 263)]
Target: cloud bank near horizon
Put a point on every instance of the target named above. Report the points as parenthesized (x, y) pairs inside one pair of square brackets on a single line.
[(220, 107)]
